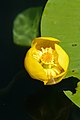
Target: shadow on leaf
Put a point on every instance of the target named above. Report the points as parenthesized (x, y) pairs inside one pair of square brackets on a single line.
[(68, 84)]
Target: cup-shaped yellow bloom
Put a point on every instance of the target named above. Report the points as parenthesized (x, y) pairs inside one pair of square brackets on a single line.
[(46, 60)]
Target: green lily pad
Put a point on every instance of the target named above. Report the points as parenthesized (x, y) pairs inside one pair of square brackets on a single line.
[(61, 20), (75, 98), (26, 26)]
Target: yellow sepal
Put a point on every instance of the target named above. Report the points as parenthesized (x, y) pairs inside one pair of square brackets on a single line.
[(35, 70)]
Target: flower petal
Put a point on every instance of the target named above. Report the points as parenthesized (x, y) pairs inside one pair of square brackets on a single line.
[(45, 39), (63, 58), (44, 42), (63, 61), (56, 80), (35, 70)]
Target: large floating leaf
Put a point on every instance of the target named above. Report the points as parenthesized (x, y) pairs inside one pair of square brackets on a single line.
[(26, 26), (61, 19), (74, 97)]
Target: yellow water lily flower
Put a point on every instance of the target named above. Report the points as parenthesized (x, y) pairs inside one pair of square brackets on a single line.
[(46, 60)]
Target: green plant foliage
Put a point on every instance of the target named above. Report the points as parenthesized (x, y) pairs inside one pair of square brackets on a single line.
[(26, 26), (74, 97), (61, 19)]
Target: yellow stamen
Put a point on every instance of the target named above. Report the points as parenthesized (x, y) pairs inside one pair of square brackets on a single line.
[(48, 59)]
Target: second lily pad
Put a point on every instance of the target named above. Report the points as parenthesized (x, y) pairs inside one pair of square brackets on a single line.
[(26, 26)]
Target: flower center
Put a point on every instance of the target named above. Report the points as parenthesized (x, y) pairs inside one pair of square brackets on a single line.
[(48, 58)]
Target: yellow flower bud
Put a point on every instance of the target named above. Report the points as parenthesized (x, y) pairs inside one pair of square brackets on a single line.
[(46, 60)]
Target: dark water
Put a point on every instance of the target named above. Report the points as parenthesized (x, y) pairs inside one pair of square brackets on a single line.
[(21, 97)]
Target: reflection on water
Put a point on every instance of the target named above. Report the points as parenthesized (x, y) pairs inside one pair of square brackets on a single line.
[(28, 99), (48, 104)]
